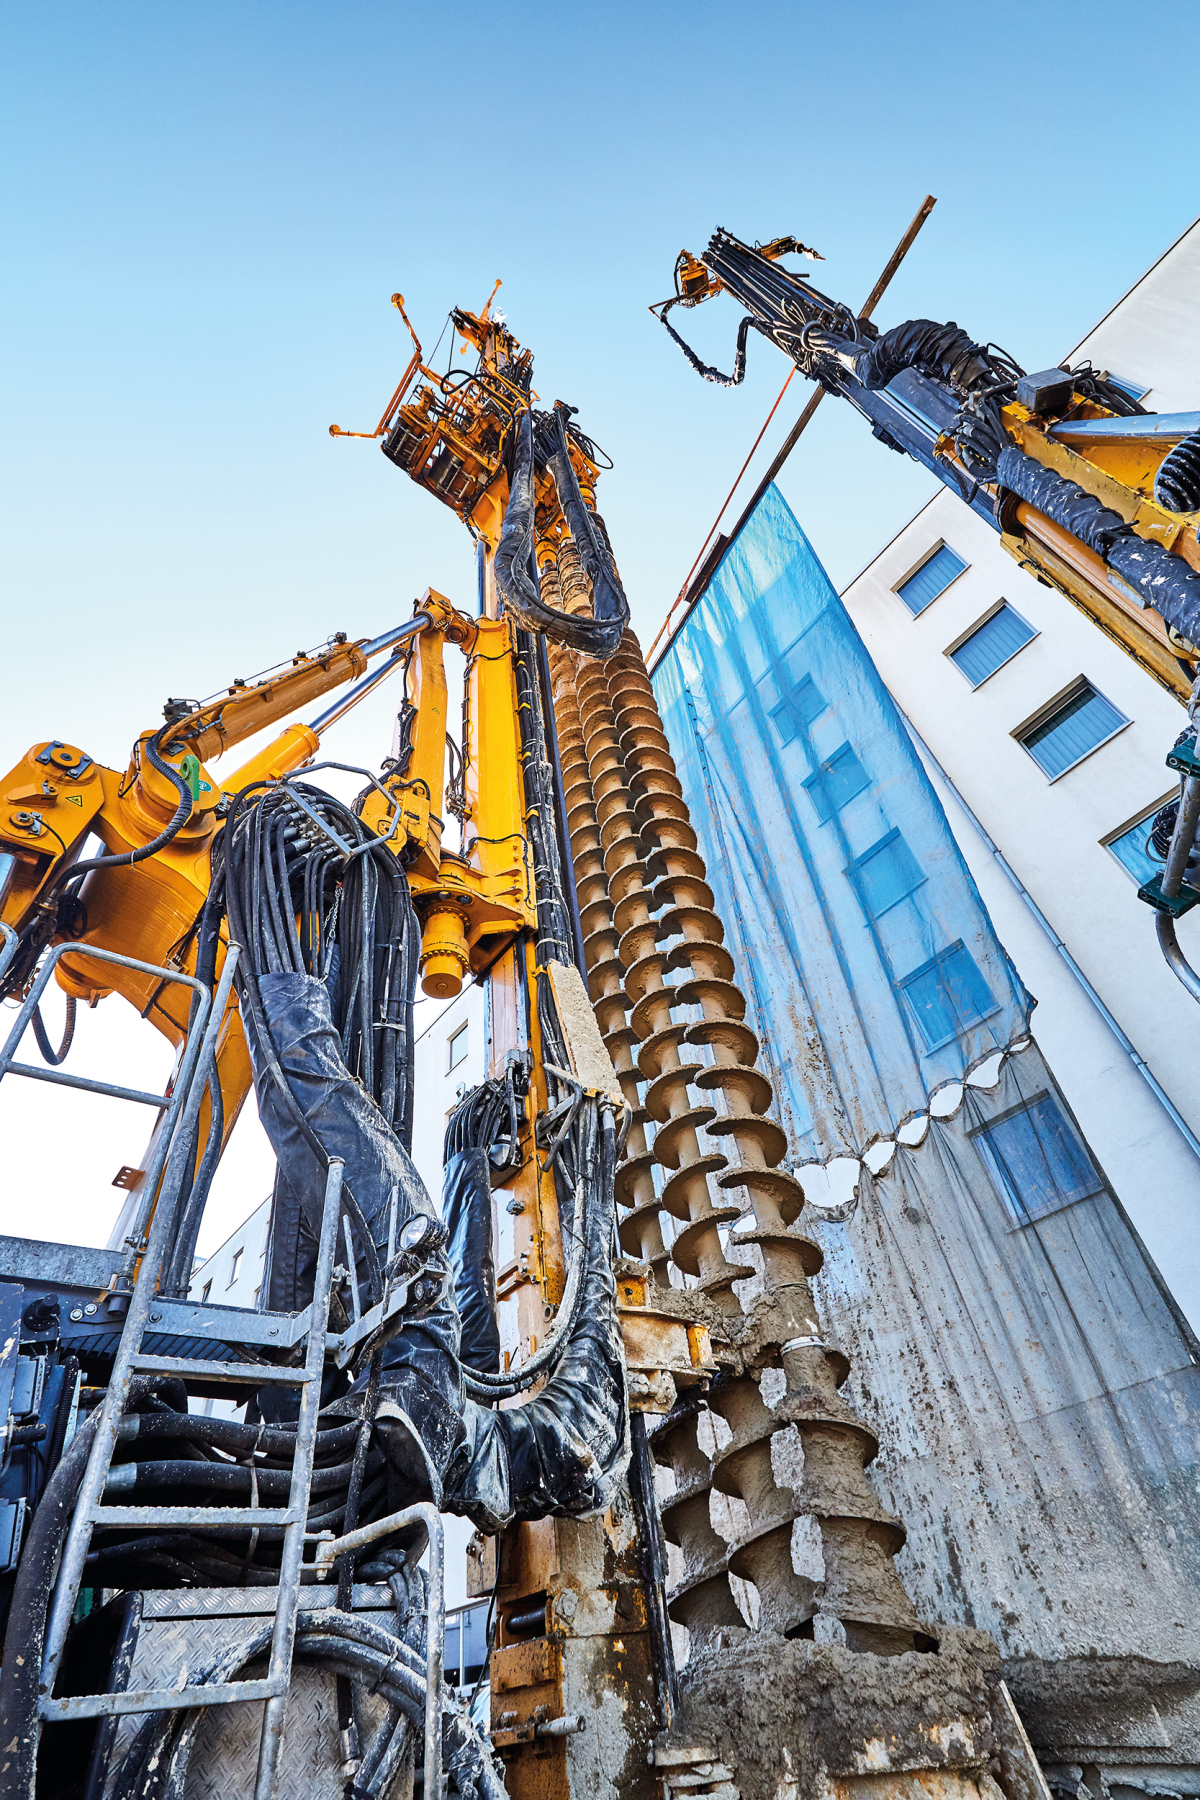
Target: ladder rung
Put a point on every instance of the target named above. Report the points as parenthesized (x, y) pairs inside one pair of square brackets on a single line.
[(196, 1518), (147, 1700), (260, 1374)]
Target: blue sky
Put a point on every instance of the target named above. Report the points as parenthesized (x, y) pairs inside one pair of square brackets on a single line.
[(207, 206)]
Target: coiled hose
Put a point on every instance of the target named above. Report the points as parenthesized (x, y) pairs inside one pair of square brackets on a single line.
[(156, 1765), (1177, 483)]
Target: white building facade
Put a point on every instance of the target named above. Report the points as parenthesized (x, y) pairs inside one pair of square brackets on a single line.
[(1047, 746)]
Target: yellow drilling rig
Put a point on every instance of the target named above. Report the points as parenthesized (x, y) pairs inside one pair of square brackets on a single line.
[(193, 1599)]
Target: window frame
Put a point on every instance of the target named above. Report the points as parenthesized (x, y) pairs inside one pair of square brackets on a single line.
[(1056, 703), (915, 570), (235, 1265), (460, 1031), (964, 637), (1131, 388), (1010, 1112), (902, 985), (815, 783), (855, 871), (1131, 824), (205, 1291)]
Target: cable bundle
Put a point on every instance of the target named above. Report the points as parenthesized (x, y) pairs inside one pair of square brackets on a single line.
[(299, 904)]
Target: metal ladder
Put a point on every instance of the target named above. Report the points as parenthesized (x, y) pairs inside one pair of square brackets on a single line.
[(168, 1165)]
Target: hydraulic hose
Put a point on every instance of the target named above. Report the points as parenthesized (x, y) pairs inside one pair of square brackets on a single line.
[(1163, 579), (229, 1435), (21, 1670), (482, 1386), (51, 1055), (515, 579), (156, 1764), (178, 820), (187, 1230), (233, 1479), (703, 369)]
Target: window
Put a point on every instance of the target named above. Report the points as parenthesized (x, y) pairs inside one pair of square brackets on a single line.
[(1130, 850), (458, 1046), (1134, 389), (1036, 1159), (836, 781), (257, 1292), (991, 645), (931, 579), (1076, 727), (205, 1291), (234, 1266), (888, 871), (948, 994), (799, 707)]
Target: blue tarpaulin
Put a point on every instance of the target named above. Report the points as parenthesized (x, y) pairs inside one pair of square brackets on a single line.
[(875, 975), (1033, 1386)]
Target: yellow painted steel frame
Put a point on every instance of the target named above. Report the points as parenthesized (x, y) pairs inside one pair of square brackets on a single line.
[(1120, 473)]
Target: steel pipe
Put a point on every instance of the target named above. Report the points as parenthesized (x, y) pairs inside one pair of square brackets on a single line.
[(362, 688)]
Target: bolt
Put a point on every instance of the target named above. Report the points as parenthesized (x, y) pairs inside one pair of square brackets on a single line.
[(90, 1308), (77, 1313)]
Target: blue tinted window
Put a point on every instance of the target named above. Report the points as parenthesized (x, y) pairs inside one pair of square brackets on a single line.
[(931, 579), (800, 706), (1134, 389), (948, 994), (838, 779), (888, 871), (1075, 728), (1036, 1160), (1130, 850), (997, 639)]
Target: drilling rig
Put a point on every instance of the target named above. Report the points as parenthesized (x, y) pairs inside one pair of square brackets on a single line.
[(1090, 492), (194, 1601)]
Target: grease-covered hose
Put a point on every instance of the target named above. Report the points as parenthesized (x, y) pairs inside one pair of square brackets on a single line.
[(24, 1644), (515, 580), (156, 1764), (702, 368), (1163, 579)]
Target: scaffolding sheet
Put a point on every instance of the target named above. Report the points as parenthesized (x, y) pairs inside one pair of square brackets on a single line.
[(871, 964), (1033, 1386)]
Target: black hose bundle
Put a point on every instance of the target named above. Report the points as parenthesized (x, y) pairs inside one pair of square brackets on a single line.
[(299, 904), (516, 577), (345, 1644), (1104, 391), (488, 1117), (311, 893), (945, 353), (24, 1643), (1177, 481), (1163, 579)]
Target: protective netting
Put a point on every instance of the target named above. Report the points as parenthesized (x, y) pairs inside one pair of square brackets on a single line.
[(875, 973), (1034, 1388)]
